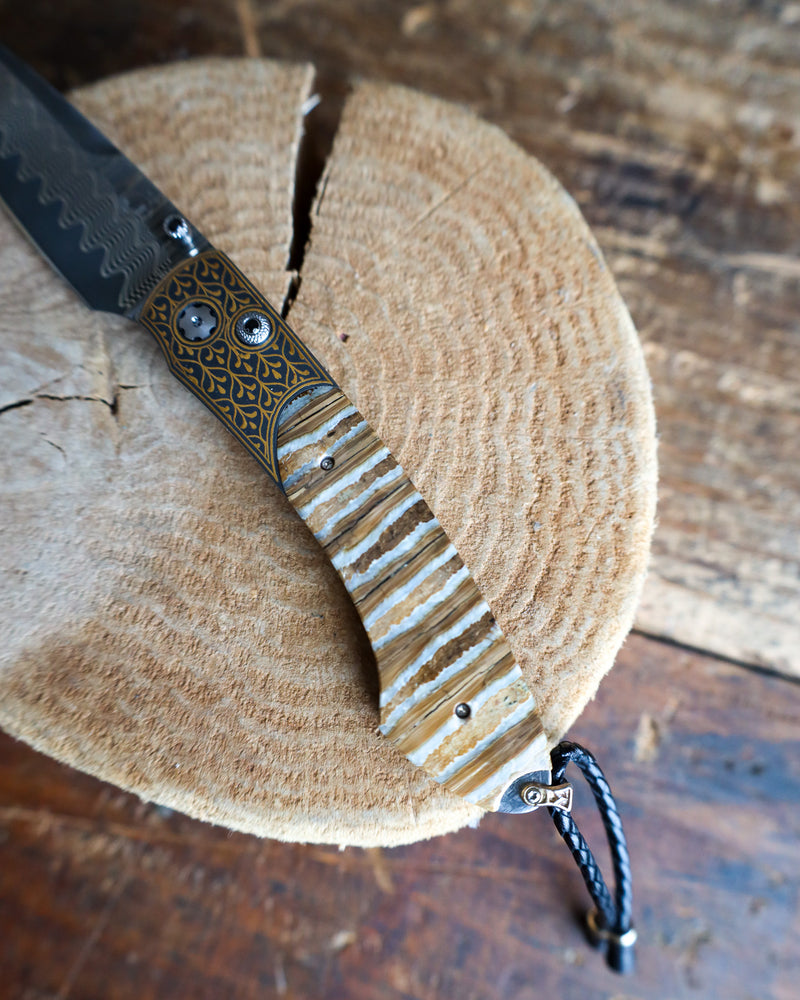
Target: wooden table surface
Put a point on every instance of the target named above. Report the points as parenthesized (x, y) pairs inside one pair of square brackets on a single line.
[(676, 126)]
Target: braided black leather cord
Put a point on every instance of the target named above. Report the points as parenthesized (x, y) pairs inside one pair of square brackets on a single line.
[(611, 923)]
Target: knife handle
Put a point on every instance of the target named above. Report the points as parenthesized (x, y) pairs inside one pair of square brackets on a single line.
[(453, 699)]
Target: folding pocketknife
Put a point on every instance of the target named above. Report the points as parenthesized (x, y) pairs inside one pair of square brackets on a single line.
[(452, 697)]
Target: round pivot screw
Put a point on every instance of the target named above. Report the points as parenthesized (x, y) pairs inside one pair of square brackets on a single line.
[(327, 463), (532, 795), (197, 321), (462, 710), (253, 328)]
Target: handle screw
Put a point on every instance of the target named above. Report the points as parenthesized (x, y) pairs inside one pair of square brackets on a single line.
[(253, 328), (197, 321)]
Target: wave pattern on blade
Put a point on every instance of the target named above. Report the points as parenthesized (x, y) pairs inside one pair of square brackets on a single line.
[(97, 201)]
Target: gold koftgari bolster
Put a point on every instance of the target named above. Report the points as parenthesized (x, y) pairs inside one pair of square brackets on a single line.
[(227, 345)]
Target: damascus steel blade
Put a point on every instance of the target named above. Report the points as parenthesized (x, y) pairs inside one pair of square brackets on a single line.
[(99, 221)]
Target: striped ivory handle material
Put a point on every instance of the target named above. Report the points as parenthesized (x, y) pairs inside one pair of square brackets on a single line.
[(453, 699)]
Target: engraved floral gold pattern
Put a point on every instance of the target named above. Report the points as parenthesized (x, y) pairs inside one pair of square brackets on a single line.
[(244, 386)]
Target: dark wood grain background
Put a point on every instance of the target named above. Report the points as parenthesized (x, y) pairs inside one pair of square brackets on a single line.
[(676, 126)]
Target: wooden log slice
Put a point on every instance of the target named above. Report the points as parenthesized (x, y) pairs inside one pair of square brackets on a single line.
[(168, 623)]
